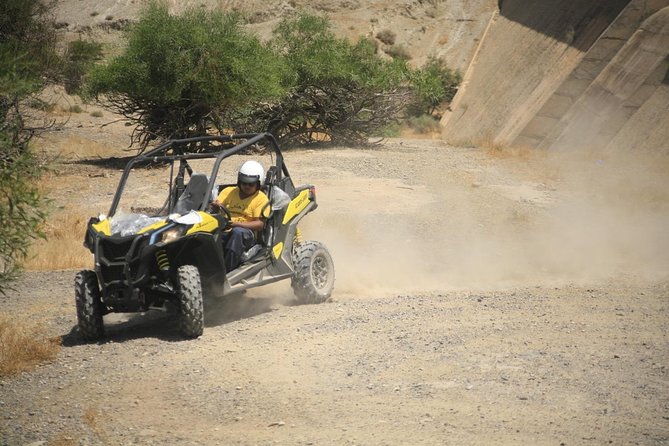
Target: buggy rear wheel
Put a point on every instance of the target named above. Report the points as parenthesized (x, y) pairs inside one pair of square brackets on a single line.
[(89, 305), (191, 306), (313, 281)]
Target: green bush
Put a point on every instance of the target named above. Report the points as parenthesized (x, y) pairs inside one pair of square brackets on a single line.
[(27, 46), (180, 75), (398, 52), (341, 91), (433, 84), (424, 124), (80, 57), (27, 59), (392, 130), (22, 207)]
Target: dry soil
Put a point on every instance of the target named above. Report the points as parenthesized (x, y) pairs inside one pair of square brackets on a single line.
[(482, 297)]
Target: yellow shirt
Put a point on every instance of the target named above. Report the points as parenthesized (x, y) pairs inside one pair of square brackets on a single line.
[(243, 210)]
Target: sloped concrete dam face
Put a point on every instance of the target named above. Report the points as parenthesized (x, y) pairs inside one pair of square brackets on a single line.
[(568, 75)]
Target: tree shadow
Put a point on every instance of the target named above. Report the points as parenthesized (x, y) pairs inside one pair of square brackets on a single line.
[(112, 162), (163, 324), (234, 307), (122, 327), (117, 163)]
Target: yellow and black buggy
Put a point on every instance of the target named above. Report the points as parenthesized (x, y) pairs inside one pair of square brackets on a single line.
[(171, 254)]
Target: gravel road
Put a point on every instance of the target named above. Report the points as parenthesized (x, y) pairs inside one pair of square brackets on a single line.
[(480, 299)]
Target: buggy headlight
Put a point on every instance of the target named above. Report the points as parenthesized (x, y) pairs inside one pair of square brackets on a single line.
[(172, 234)]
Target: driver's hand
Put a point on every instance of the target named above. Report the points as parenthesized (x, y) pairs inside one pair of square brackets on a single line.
[(215, 206)]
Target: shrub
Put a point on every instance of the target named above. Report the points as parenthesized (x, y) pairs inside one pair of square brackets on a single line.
[(398, 52), (40, 104), (386, 36), (433, 84), (392, 130), (181, 75), (27, 46), (341, 92), (79, 59), (21, 211), (22, 346), (27, 59), (424, 124)]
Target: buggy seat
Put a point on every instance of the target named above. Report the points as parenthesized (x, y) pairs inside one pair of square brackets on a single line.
[(192, 197)]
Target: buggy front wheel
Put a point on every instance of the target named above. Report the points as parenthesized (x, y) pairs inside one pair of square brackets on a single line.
[(191, 306), (89, 305), (313, 281)]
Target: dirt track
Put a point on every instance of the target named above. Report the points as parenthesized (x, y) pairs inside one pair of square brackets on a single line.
[(478, 300)]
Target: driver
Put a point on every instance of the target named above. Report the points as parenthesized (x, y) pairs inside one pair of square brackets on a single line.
[(246, 203)]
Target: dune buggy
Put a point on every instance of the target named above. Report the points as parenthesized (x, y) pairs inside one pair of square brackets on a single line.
[(171, 255)]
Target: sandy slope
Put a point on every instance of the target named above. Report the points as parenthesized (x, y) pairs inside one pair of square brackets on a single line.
[(448, 29)]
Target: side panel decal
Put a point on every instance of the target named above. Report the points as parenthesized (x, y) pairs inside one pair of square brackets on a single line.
[(278, 248), (297, 205), (103, 227), (208, 224)]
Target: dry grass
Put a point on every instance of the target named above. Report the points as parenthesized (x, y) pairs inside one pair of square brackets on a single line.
[(496, 149), (63, 247), (95, 421), (66, 225), (23, 346), (67, 147), (518, 153), (387, 36), (64, 439), (410, 133)]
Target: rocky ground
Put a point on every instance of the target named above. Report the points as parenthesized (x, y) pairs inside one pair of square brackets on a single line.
[(481, 298)]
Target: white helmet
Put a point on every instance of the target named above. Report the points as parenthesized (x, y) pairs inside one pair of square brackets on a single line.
[(251, 172)]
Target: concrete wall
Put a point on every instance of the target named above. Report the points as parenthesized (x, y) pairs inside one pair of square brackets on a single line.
[(648, 128), (614, 97), (563, 74)]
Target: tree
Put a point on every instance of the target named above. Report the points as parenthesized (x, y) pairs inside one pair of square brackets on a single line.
[(434, 83), (80, 58), (341, 92), (185, 75), (27, 58), (180, 75)]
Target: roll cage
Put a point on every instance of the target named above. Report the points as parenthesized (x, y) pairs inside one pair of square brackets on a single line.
[(202, 147)]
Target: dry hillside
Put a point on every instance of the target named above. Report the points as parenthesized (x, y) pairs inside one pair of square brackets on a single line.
[(442, 28)]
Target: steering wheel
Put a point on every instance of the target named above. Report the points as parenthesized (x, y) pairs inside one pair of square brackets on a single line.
[(220, 209)]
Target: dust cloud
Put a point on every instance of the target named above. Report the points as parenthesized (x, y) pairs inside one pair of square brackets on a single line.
[(612, 218), (606, 216)]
